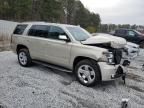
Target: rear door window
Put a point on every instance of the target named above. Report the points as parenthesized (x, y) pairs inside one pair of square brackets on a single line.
[(39, 31), (20, 29), (121, 32)]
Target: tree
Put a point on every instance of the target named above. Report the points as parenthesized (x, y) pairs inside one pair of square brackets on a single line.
[(61, 11), (104, 28), (22, 9), (69, 10), (6, 9), (81, 15), (133, 26), (50, 10)]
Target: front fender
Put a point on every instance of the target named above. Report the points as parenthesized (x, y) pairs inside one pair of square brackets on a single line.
[(86, 51)]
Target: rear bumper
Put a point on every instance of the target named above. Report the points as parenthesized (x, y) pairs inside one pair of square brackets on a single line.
[(111, 72)]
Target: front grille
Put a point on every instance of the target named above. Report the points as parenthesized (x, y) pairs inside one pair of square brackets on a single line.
[(117, 56)]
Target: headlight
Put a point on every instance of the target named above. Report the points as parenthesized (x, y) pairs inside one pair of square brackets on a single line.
[(107, 57)]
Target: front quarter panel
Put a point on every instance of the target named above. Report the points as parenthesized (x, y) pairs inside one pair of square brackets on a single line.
[(80, 50)]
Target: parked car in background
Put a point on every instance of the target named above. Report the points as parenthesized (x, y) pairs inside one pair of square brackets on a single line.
[(131, 36), (131, 50), (70, 48)]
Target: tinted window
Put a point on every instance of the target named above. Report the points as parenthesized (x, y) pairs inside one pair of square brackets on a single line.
[(131, 33), (55, 32), (20, 29), (121, 32), (39, 31)]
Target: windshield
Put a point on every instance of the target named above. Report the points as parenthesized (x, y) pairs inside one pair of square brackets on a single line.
[(78, 33)]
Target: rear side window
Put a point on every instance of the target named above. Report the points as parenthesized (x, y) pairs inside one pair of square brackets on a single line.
[(20, 29), (121, 32), (39, 31)]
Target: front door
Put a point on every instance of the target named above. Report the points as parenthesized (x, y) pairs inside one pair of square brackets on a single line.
[(132, 36), (57, 51)]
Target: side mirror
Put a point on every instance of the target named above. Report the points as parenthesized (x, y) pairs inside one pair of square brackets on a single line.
[(64, 38)]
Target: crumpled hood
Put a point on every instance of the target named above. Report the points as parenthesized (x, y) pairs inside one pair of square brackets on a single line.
[(116, 42)]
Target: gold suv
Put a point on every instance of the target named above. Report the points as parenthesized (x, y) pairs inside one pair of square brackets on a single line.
[(70, 48)]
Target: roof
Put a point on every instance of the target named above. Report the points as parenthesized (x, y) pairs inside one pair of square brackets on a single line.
[(46, 23), (124, 29)]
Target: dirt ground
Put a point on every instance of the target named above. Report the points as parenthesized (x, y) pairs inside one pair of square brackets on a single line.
[(41, 87)]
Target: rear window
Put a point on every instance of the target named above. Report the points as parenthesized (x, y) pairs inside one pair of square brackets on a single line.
[(20, 29)]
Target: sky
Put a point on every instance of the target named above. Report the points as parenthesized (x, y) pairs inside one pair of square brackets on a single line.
[(117, 11)]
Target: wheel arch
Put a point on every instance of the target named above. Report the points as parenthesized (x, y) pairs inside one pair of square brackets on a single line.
[(79, 58), (20, 46)]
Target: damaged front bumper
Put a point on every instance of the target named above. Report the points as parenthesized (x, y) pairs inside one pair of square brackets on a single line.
[(119, 73), (111, 72)]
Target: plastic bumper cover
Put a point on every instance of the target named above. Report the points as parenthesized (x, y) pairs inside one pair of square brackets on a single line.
[(111, 72)]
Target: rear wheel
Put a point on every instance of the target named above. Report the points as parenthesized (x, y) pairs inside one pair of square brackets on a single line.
[(24, 57), (87, 72)]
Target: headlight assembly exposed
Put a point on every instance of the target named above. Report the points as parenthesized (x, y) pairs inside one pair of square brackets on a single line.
[(108, 57)]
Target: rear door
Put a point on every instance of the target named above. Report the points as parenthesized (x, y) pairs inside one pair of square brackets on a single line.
[(18, 37), (37, 40)]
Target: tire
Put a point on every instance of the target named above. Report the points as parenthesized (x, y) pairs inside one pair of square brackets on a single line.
[(142, 44), (24, 58), (87, 72)]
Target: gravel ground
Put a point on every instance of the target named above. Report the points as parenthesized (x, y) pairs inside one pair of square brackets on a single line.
[(41, 87)]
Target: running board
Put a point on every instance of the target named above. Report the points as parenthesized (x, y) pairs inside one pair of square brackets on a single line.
[(52, 66)]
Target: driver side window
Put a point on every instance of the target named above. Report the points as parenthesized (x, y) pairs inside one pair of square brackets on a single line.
[(131, 33), (55, 32)]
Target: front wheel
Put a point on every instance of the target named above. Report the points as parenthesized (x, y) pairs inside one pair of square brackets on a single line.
[(24, 57), (87, 72)]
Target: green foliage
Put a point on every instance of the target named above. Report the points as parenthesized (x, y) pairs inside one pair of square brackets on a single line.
[(91, 29), (22, 9), (105, 28), (14, 9), (61, 11), (51, 10)]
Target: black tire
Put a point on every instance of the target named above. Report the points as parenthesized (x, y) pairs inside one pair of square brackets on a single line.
[(93, 64), (142, 44), (28, 58)]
